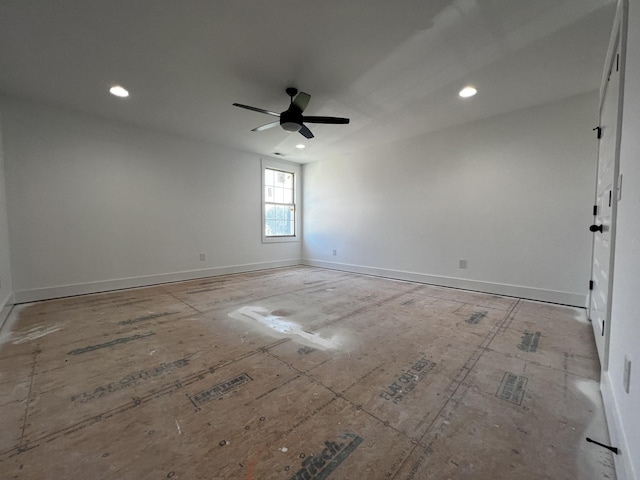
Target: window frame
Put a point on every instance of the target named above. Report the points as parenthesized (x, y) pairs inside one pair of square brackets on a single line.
[(285, 167)]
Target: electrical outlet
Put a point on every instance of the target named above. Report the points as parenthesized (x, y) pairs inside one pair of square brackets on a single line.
[(626, 378), (203, 257), (335, 252), (462, 263)]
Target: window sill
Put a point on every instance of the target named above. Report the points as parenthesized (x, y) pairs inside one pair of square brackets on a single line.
[(280, 239)]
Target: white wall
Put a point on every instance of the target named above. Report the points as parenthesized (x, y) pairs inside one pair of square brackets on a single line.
[(95, 204), (512, 195), (623, 409), (6, 289)]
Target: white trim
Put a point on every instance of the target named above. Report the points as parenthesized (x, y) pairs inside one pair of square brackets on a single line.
[(5, 308), (47, 293), (297, 172), (530, 293), (624, 468)]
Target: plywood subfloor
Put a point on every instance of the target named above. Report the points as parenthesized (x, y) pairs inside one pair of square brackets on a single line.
[(299, 373)]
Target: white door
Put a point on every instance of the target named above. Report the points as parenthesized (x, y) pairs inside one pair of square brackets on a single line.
[(605, 204)]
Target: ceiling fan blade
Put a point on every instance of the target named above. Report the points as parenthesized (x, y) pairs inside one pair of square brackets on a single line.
[(256, 109), (332, 120), (305, 132), (302, 100), (266, 127)]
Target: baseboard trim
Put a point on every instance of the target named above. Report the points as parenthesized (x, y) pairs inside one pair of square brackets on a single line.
[(551, 296), (5, 308), (48, 293), (624, 468)]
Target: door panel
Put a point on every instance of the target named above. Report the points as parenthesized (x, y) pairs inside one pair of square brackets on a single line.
[(606, 197)]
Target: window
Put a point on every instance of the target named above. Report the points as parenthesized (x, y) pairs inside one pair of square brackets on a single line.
[(279, 210)]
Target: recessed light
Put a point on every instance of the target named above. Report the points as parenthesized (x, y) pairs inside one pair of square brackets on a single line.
[(119, 91), (301, 146), (467, 92)]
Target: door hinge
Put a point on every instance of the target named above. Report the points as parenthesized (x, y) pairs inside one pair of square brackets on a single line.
[(595, 210), (603, 328), (590, 284), (618, 62), (599, 132)]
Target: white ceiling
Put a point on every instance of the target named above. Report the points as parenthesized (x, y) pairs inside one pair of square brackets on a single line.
[(393, 67)]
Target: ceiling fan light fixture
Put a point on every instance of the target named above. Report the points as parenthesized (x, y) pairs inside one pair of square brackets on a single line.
[(291, 126), (468, 91)]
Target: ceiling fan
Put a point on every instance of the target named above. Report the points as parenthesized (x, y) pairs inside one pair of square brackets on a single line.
[(292, 119)]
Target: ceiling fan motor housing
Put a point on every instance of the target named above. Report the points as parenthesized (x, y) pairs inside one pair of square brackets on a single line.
[(291, 120)]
